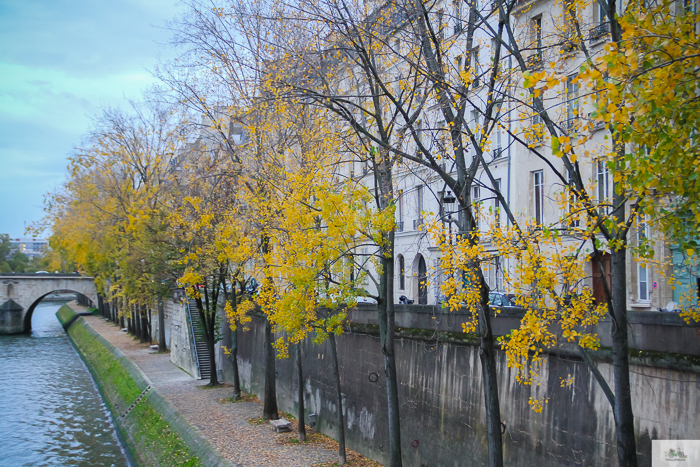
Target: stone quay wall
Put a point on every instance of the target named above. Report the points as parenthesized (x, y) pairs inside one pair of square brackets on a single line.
[(441, 392)]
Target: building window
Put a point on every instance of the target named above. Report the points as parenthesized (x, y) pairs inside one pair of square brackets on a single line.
[(399, 211), (475, 119), (419, 138), (602, 184), (497, 204), (574, 217), (643, 282), (535, 60), (538, 191), (458, 16), (572, 104), (599, 15), (496, 274), (419, 207), (476, 202), (642, 270), (474, 56), (402, 273)]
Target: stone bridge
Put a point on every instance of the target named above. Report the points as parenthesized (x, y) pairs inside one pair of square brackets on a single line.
[(20, 294)]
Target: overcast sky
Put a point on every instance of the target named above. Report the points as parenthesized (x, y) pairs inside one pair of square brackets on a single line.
[(61, 61)]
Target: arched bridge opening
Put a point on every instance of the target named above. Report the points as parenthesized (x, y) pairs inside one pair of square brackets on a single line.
[(82, 299), (20, 294)]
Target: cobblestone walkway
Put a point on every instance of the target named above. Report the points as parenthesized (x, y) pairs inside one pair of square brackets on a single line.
[(223, 424)]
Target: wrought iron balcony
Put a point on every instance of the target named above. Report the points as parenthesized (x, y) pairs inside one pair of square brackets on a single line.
[(417, 223), (399, 226), (535, 60), (598, 32), (497, 153), (570, 125)]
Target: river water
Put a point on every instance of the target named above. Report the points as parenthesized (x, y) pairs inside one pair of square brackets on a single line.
[(51, 413)]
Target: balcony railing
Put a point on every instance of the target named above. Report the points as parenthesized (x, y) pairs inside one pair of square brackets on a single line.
[(597, 126), (535, 60), (399, 226), (598, 32), (569, 45), (497, 153), (570, 125), (417, 223)]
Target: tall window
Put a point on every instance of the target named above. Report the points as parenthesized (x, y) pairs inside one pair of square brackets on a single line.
[(642, 271), (538, 192), (497, 204), (476, 202), (458, 16), (574, 216), (643, 281), (475, 118), (496, 273), (399, 210), (419, 137), (537, 33), (419, 207), (602, 178), (599, 15), (572, 103), (537, 116), (474, 56), (402, 273)]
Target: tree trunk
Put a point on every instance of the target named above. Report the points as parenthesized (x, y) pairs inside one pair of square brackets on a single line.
[(270, 411), (150, 325), (213, 378), (161, 328), (300, 393), (624, 417), (234, 350), (487, 355), (386, 335), (130, 326), (339, 395), (144, 326)]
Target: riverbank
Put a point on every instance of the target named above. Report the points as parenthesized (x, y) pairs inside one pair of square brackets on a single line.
[(214, 430), (153, 432)]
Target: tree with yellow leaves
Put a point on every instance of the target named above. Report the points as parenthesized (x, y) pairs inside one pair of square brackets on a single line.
[(108, 218)]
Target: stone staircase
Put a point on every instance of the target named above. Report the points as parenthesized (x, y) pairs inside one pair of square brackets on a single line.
[(200, 342)]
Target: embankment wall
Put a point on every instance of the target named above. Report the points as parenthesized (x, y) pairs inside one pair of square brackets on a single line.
[(442, 401)]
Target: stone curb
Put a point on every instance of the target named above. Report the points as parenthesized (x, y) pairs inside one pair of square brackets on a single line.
[(190, 435)]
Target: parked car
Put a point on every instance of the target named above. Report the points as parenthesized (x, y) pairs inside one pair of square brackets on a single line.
[(503, 299), (363, 297)]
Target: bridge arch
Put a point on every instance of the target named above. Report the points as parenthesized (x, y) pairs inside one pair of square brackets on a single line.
[(20, 294), (27, 321)]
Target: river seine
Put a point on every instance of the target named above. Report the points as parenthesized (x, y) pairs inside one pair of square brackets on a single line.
[(51, 413)]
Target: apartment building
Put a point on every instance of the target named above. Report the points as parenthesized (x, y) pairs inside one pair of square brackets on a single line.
[(520, 161), (32, 247)]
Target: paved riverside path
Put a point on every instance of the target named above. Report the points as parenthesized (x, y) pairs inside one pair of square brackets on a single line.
[(224, 425)]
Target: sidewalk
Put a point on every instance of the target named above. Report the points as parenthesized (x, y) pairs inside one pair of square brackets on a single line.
[(222, 423)]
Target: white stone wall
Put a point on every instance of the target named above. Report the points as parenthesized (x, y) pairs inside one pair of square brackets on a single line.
[(180, 343)]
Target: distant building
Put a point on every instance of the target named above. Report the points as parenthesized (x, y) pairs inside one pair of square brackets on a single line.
[(32, 247)]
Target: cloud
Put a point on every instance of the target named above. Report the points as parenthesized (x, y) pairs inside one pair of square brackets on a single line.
[(61, 61)]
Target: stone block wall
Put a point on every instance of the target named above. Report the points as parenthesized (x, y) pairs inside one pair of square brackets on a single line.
[(442, 402)]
